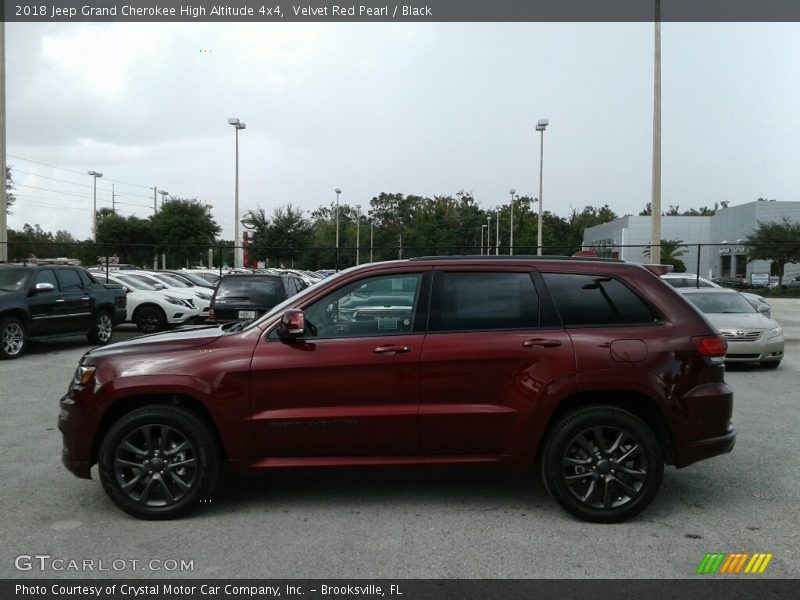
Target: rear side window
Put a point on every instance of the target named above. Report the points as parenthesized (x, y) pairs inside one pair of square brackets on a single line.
[(484, 301), (69, 280), (595, 300)]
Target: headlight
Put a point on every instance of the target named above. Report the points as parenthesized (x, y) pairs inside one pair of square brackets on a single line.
[(774, 332), (83, 375), (178, 301)]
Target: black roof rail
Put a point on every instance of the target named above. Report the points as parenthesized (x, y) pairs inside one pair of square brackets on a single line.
[(526, 257)]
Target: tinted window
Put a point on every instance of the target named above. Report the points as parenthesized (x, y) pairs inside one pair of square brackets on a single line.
[(259, 290), (481, 301), (46, 276), (370, 307), (595, 300), (70, 280)]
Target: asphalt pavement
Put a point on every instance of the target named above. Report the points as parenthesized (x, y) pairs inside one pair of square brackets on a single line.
[(395, 523)]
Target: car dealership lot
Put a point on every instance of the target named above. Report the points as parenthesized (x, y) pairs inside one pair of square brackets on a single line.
[(400, 523)]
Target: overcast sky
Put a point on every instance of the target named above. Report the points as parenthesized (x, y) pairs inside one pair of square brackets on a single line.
[(423, 109)]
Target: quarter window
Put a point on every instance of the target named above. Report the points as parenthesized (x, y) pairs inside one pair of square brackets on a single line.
[(484, 301), (595, 300)]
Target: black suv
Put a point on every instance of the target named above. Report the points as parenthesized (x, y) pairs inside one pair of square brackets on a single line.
[(241, 297), (55, 300)]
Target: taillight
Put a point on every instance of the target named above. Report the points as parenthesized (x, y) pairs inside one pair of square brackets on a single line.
[(712, 346), (211, 315)]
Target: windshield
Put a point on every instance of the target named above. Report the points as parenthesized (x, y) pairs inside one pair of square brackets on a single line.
[(134, 283), (195, 279), (294, 300), (12, 280), (721, 303), (171, 281)]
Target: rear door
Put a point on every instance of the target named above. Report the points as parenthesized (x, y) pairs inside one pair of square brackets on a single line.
[(76, 304), (491, 355)]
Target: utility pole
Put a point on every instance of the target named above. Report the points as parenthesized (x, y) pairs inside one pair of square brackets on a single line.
[(113, 200), (3, 207), (655, 204)]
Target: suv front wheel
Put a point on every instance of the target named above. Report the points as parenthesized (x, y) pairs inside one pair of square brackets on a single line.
[(158, 462), (602, 464)]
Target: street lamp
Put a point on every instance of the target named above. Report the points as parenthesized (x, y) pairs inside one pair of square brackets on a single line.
[(540, 126), (371, 233), (164, 194), (237, 249), (511, 192), (488, 234), (95, 175), (338, 191), (358, 231), (482, 228)]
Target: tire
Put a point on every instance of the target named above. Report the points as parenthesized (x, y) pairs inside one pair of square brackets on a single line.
[(102, 329), (617, 485), (150, 319), (12, 338), (180, 462), (770, 364)]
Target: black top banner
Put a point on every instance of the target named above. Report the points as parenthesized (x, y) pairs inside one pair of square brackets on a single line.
[(406, 11)]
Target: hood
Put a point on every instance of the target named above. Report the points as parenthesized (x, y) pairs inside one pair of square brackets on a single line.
[(160, 342), (741, 321)]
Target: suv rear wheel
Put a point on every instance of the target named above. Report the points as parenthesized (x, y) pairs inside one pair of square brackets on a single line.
[(102, 328), (602, 464), (158, 462)]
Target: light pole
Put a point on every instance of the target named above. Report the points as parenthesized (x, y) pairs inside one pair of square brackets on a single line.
[(371, 233), (488, 235), (164, 194), (511, 192), (482, 228), (237, 246), (358, 232), (540, 127), (497, 233), (338, 191), (95, 175), (655, 205)]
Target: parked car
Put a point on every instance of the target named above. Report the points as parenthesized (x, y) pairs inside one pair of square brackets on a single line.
[(191, 279), (751, 335), (54, 300), (152, 309), (211, 276), (594, 367), (241, 297), (200, 297)]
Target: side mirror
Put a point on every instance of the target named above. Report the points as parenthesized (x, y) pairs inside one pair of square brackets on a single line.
[(43, 287), (159, 286), (293, 324), (764, 310)]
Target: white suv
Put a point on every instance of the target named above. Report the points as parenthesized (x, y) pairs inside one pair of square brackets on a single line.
[(152, 309)]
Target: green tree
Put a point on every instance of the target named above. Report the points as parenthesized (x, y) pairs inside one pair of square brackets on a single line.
[(281, 238), (129, 238), (184, 230), (776, 241), (671, 251)]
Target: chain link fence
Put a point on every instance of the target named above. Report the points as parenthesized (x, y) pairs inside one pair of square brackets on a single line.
[(728, 265)]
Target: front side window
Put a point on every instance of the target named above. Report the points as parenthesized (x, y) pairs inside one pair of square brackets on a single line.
[(376, 306), (46, 276), (483, 301), (595, 300)]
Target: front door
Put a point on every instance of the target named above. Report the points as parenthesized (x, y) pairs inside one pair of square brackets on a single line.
[(350, 385)]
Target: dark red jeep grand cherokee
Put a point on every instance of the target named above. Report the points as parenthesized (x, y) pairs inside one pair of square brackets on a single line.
[(595, 367)]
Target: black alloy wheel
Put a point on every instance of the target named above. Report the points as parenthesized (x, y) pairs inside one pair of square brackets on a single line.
[(159, 462), (150, 319), (602, 464), (102, 328)]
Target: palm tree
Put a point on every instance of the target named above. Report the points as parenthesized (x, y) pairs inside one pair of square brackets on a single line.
[(671, 251)]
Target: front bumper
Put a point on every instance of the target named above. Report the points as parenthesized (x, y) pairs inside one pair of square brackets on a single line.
[(75, 453), (760, 350)]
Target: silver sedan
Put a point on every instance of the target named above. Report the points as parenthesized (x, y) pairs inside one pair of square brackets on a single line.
[(752, 335)]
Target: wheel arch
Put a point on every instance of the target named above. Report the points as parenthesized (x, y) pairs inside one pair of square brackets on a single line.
[(636, 403), (128, 404), (144, 305)]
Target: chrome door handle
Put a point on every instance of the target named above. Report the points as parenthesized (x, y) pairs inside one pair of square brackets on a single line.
[(541, 343), (60, 300), (391, 350)]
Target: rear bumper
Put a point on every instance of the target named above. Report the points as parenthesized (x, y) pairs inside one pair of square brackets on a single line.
[(708, 447), (120, 315)]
